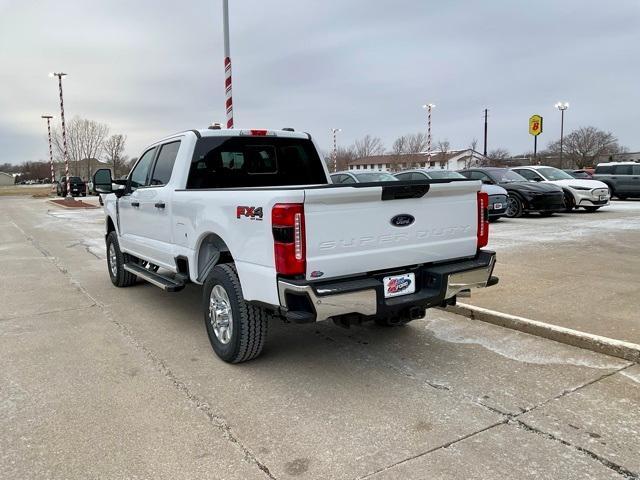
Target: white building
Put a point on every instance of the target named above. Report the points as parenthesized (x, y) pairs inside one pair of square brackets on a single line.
[(6, 179), (453, 160)]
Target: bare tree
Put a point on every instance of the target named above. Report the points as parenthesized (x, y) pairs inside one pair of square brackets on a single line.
[(416, 143), (114, 152), (497, 156), (443, 147), (368, 146), (583, 146), (470, 161), (84, 141), (344, 155), (399, 146)]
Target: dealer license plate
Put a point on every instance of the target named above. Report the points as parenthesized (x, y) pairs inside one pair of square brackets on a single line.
[(497, 206), (397, 285)]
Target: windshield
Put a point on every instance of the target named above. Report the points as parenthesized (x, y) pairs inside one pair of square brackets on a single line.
[(437, 174), (503, 175), (551, 173), (375, 177)]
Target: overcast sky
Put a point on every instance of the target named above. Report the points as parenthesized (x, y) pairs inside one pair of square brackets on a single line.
[(151, 68)]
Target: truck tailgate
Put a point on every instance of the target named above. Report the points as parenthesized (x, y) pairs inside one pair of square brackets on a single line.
[(350, 230)]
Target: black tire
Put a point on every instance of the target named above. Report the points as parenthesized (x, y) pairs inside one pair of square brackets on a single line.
[(569, 202), (248, 331), (119, 276), (514, 207), (546, 214), (591, 209)]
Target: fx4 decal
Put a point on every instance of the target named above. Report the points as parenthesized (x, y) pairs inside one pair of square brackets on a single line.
[(254, 213)]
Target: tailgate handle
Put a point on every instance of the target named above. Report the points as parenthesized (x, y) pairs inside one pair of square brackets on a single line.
[(399, 192)]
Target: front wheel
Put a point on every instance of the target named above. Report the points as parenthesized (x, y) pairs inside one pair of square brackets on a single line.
[(514, 207), (116, 260), (237, 330), (569, 202)]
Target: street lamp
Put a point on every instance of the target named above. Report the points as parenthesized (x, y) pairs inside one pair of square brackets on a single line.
[(48, 118), (65, 152), (562, 106), (428, 107), (335, 148)]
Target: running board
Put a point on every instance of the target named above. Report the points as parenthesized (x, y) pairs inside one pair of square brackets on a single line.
[(168, 284)]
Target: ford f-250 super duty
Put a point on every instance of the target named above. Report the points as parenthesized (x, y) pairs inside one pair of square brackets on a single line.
[(253, 217)]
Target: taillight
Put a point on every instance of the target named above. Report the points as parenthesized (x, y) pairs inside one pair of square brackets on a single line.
[(483, 219), (287, 222)]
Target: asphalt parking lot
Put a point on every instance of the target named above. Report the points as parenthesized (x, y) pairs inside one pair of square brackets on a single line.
[(99, 382)]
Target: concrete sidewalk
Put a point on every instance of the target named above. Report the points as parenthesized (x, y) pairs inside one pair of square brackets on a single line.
[(122, 383), (579, 270)]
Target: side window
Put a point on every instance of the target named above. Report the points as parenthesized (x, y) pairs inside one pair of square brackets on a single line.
[(528, 174), (140, 172), (622, 170), (636, 169), (164, 163), (418, 176), (475, 175), (604, 169), (404, 176), (336, 178), (347, 179)]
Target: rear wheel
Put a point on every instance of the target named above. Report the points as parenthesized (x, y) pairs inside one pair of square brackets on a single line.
[(237, 330), (514, 207), (116, 260)]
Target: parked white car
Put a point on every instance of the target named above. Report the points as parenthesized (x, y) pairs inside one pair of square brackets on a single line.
[(361, 176), (588, 194), (252, 216), (498, 196)]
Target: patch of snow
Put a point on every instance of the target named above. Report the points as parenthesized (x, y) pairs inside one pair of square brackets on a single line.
[(633, 374)]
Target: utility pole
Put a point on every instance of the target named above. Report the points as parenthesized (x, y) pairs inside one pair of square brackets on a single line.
[(485, 132), (228, 104), (53, 173), (64, 134), (428, 107), (335, 148)]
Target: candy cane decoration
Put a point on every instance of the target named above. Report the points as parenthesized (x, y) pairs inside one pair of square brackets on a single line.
[(428, 107), (227, 65), (64, 134), (53, 174), (335, 148)]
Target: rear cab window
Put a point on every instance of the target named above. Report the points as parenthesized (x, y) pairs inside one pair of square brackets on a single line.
[(238, 162)]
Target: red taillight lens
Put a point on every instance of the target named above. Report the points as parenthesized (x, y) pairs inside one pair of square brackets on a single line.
[(483, 219), (287, 222), (258, 133)]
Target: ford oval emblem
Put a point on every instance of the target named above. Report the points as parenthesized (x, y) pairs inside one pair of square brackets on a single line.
[(402, 220)]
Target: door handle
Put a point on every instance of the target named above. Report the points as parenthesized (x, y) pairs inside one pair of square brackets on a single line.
[(159, 205), (135, 204)]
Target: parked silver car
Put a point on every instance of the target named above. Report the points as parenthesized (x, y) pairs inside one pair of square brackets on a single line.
[(362, 176)]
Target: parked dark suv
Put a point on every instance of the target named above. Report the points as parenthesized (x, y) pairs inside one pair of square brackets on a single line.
[(622, 178), (78, 187)]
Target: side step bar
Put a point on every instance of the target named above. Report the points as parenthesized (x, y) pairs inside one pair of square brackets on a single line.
[(168, 284)]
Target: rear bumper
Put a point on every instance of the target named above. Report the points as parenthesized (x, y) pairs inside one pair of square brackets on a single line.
[(303, 301)]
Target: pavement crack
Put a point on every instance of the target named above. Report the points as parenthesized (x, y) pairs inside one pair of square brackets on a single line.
[(435, 449), (619, 469)]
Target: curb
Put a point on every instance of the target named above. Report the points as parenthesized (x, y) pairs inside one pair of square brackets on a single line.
[(588, 341)]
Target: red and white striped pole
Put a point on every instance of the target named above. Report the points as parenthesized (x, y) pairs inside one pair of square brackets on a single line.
[(228, 102), (429, 107), (53, 173), (335, 148), (65, 152)]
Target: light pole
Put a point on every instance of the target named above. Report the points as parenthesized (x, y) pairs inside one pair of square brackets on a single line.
[(228, 104), (65, 152), (335, 148), (48, 118), (428, 107), (562, 106)]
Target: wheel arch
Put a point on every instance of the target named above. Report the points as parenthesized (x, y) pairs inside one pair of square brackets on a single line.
[(211, 249)]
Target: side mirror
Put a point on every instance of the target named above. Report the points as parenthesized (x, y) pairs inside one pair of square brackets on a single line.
[(536, 179), (103, 183), (488, 182)]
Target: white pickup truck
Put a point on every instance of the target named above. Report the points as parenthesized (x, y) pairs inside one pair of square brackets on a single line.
[(252, 215)]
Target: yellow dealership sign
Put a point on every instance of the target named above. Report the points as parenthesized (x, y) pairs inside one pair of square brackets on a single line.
[(535, 125)]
